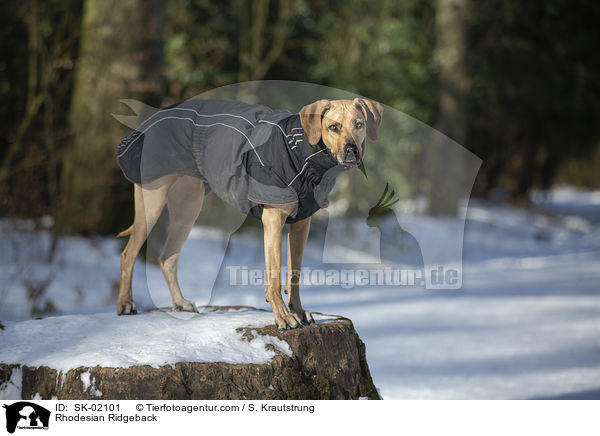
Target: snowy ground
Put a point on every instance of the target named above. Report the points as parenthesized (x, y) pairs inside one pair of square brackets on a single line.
[(526, 323)]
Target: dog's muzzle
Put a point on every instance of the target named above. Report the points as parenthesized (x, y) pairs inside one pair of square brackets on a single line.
[(351, 154)]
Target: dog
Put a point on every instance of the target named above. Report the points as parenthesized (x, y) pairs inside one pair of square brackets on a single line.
[(271, 164)]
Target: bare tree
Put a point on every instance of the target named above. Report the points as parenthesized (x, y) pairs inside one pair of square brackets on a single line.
[(47, 55), (259, 47)]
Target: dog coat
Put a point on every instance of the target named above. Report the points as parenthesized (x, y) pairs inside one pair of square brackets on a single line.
[(249, 155)]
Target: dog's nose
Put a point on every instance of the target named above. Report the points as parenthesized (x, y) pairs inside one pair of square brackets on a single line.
[(351, 154)]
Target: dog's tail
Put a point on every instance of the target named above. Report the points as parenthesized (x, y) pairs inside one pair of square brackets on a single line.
[(126, 232)]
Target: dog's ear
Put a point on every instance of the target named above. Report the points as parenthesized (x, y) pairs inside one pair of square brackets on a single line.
[(310, 118), (372, 111)]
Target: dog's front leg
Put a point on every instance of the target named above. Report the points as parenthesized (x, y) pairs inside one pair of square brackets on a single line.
[(273, 220), (297, 237)]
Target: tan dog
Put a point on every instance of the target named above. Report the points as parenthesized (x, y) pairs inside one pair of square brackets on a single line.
[(343, 126)]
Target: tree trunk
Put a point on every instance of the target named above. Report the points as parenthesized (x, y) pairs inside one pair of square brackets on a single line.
[(449, 174), (121, 57)]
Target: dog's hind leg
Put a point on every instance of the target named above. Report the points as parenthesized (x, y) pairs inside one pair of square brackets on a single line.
[(184, 204), (149, 203)]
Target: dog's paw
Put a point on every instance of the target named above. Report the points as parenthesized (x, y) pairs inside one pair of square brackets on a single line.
[(304, 316), (185, 306), (288, 321), (126, 308), (307, 317)]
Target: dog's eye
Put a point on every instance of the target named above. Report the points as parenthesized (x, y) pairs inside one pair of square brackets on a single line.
[(359, 125), (333, 128)]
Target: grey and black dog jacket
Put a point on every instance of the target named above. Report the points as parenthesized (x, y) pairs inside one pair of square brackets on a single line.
[(249, 155)]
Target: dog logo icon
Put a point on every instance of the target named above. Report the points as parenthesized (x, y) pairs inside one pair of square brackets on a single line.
[(26, 415)]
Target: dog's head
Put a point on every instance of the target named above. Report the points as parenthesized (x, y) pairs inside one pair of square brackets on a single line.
[(343, 125)]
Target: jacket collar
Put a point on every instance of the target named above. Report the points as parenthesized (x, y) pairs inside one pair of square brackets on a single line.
[(311, 161)]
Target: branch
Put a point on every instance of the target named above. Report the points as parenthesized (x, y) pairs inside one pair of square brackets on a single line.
[(286, 9), (31, 111)]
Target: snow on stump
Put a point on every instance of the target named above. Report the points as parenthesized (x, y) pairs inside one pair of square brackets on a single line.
[(223, 353)]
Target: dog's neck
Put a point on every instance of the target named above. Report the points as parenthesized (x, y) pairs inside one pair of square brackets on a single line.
[(317, 158)]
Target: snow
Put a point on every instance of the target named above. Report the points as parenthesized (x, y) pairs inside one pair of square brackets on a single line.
[(525, 323), (11, 388), (154, 339), (88, 385)]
